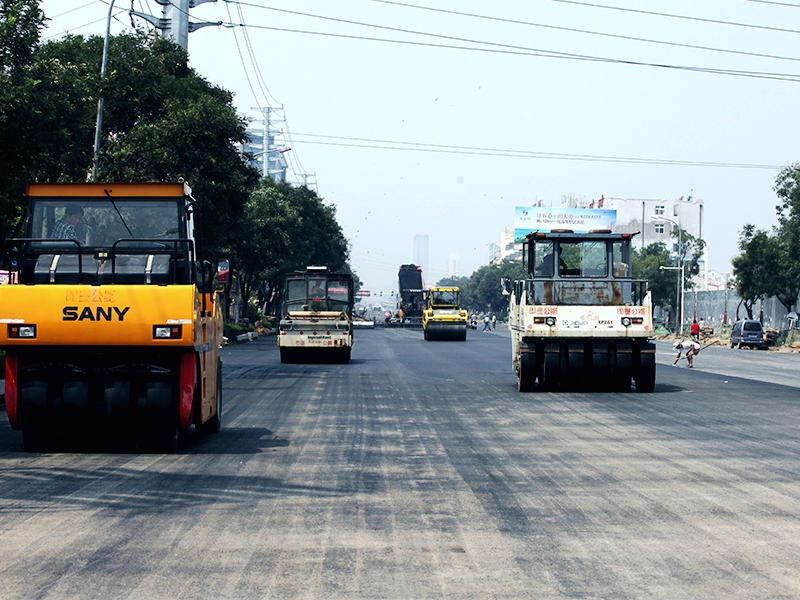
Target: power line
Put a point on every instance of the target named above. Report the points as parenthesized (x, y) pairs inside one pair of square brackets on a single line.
[(521, 50), (673, 16), (293, 157), (259, 77), (533, 52), (775, 3), (241, 58), (77, 27), (502, 152), (72, 10), (589, 32)]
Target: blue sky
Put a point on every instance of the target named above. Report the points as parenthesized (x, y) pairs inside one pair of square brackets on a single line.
[(446, 141)]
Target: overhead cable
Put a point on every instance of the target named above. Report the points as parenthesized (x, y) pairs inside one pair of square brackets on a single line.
[(775, 3), (673, 16), (533, 52), (504, 152), (587, 31)]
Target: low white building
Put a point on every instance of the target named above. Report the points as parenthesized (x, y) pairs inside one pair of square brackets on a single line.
[(655, 221)]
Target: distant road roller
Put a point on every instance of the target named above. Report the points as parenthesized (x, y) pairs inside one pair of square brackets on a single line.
[(316, 316), (110, 324), (443, 319), (580, 320)]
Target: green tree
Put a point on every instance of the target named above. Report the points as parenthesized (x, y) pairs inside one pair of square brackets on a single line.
[(662, 283), (21, 22), (786, 263), (285, 228), (484, 284), (163, 122), (768, 265), (753, 269), (690, 252), (46, 109)]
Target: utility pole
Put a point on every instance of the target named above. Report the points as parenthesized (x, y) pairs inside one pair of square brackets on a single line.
[(306, 176), (99, 122), (174, 22), (273, 161)]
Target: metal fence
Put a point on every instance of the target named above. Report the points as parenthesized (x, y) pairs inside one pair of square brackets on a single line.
[(710, 308)]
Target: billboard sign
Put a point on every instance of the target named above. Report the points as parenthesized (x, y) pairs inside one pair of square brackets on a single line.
[(537, 218)]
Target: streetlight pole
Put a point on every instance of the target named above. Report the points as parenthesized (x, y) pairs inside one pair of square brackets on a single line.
[(680, 259), (99, 124)]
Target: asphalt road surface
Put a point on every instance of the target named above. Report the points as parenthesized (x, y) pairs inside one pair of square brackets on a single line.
[(418, 471)]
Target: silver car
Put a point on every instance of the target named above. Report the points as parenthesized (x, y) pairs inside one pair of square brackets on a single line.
[(747, 332)]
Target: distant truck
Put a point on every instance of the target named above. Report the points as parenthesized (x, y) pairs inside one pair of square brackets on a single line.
[(443, 318), (316, 316), (411, 291), (580, 320), (110, 323)]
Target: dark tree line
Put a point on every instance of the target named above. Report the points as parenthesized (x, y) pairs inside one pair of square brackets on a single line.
[(768, 264), (284, 229), (162, 121), (481, 291)]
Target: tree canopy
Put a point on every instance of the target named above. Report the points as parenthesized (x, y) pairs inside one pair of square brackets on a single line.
[(162, 121), (46, 110), (481, 291), (663, 284), (767, 265), (285, 228)]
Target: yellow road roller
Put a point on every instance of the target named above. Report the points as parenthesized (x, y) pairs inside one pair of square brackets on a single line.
[(109, 321), (443, 320)]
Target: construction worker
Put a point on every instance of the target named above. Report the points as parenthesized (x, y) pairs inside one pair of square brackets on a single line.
[(691, 347), (695, 330)]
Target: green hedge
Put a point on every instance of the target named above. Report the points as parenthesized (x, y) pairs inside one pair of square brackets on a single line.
[(231, 330)]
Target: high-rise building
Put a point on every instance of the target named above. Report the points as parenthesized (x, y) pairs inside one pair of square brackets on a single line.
[(509, 249), (421, 252), (452, 265), (492, 253)]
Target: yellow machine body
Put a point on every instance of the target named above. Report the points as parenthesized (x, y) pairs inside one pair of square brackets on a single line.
[(443, 319), (115, 335)]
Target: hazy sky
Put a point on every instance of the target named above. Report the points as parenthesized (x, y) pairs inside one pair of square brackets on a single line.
[(431, 137)]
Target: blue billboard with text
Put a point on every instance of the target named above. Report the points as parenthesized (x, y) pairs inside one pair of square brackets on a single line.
[(537, 218)]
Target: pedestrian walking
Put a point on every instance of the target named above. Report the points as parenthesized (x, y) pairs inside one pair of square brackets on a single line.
[(487, 323), (494, 321), (690, 346)]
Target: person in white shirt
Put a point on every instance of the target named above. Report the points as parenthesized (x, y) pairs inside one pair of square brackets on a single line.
[(691, 347)]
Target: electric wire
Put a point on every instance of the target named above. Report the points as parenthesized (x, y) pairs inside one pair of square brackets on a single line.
[(72, 10), (293, 156), (673, 16), (588, 32), (259, 77), (473, 150), (70, 31), (241, 58), (775, 3), (395, 145), (533, 52)]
